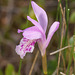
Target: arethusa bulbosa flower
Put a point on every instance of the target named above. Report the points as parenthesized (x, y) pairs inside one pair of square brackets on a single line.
[(36, 33)]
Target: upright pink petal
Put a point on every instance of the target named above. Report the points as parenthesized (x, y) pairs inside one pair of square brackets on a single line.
[(25, 46), (32, 33), (35, 23), (40, 15), (52, 30)]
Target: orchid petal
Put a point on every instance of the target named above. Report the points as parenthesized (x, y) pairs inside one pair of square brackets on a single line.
[(25, 46), (40, 15), (35, 23), (52, 30), (32, 33), (19, 31)]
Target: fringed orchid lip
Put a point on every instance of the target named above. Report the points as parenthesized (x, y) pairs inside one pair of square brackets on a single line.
[(36, 33), (25, 46)]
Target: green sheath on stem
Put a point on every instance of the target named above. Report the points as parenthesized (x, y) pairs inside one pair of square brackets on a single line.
[(44, 64)]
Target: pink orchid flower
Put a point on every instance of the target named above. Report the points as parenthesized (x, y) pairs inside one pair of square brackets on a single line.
[(36, 33)]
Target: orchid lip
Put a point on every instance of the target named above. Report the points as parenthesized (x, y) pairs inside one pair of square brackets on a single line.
[(25, 46)]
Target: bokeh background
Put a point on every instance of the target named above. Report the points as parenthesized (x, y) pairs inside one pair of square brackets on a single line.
[(13, 16)]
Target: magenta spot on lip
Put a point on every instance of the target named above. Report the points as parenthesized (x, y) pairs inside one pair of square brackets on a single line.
[(30, 48), (22, 45), (20, 49), (33, 43), (26, 49), (25, 40)]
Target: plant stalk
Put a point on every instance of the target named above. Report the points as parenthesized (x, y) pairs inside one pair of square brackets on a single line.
[(44, 64), (74, 52), (20, 67)]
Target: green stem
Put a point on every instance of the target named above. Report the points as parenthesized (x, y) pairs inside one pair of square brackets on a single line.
[(74, 52), (65, 41), (20, 64), (28, 12), (44, 64), (57, 11), (67, 22), (70, 60), (66, 8)]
